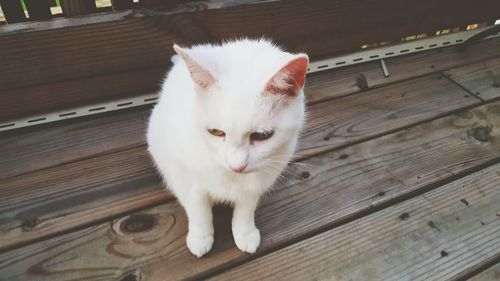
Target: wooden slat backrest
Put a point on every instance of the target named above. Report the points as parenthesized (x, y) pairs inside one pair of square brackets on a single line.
[(38, 9), (142, 40), (119, 5), (73, 7), (13, 11)]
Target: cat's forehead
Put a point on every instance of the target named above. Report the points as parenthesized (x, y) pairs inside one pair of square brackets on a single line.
[(242, 62), (239, 111)]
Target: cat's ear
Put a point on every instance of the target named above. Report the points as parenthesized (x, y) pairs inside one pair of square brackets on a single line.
[(289, 80), (201, 77)]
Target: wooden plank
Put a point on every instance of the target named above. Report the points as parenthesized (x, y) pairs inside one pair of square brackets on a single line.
[(344, 81), (325, 191), (482, 78), (119, 5), (370, 114), (24, 153), (73, 7), (434, 236), (90, 6), (73, 93), (12, 11), (98, 188), (491, 274), (45, 146), (38, 9), (138, 41), (395, 107)]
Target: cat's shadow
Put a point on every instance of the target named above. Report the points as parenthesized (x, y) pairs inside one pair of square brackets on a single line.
[(223, 239)]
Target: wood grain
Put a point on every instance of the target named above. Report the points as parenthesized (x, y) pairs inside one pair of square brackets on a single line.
[(73, 7), (114, 136), (141, 40), (482, 78), (76, 193), (344, 81), (439, 237), (45, 146), (490, 274), (322, 192), (320, 86), (373, 113), (65, 94)]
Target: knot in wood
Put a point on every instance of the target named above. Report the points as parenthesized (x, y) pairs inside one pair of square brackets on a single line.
[(29, 224), (131, 277), (481, 133), (138, 223)]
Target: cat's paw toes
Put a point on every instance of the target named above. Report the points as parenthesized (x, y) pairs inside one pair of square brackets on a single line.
[(199, 245), (247, 241)]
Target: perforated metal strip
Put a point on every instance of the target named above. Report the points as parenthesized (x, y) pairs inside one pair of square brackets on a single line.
[(320, 65)]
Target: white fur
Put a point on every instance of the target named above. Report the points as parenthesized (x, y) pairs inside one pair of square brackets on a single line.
[(197, 165)]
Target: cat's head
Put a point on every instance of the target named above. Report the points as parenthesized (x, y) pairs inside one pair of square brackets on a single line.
[(250, 102)]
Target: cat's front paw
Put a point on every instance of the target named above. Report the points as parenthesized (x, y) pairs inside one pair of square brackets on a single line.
[(247, 241), (198, 244)]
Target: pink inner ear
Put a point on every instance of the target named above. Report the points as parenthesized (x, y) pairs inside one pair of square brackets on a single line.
[(289, 79)]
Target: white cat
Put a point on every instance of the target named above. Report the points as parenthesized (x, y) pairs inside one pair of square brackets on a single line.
[(224, 128)]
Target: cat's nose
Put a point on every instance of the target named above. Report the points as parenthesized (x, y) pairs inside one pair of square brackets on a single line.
[(239, 169)]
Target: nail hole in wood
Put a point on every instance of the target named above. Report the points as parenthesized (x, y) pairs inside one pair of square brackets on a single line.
[(466, 203), (343, 156), (404, 216), (444, 254), (306, 174)]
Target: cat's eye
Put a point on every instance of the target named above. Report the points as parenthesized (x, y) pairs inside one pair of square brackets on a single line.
[(260, 136), (217, 132)]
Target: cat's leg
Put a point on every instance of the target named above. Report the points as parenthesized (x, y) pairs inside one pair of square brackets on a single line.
[(198, 208), (246, 235)]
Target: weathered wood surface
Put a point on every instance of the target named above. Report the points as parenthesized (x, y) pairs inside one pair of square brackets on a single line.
[(373, 113), (55, 144), (482, 78), (322, 192), (490, 274), (139, 41), (104, 139), (435, 236), (344, 81), (319, 86), (398, 106), (73, 93), (63, 197)]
